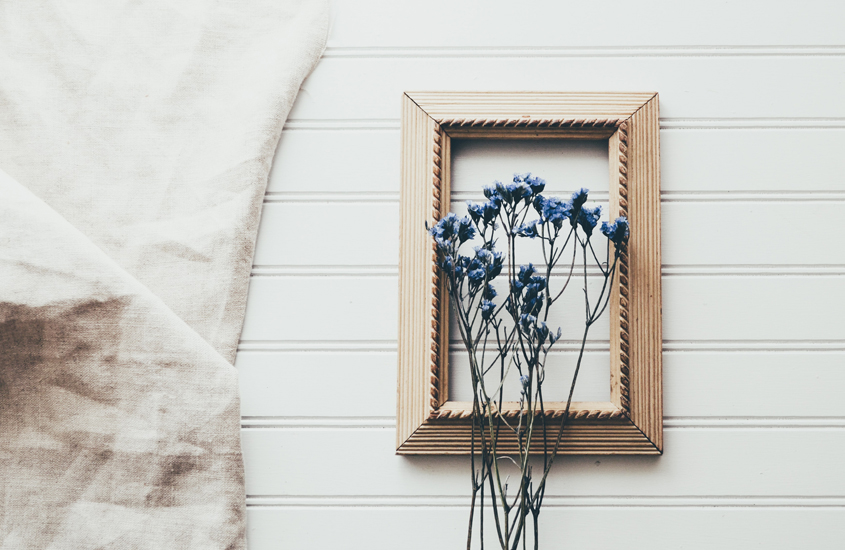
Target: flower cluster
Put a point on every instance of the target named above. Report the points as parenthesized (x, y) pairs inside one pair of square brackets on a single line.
[(554, 211), (478, 271), (452, 231), (530, 286), (485, 266), (485, 213), (617, 231), (528, 229), (524, 187)]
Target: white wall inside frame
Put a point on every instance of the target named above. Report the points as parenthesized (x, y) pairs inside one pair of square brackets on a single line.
[(566, 165), (752, 126)]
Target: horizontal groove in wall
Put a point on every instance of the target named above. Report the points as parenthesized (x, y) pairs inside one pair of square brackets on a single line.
[(669, 346), (344, 346), (550, 501), (582, 51), (572, 346), (678, 422), (752, 196), (324, 270), (759, 123), (667, 271), (693, 196), (754, 422), (771, 270), (318, 421), (391, 124), (754, 346), (340, 196), (353, 197)]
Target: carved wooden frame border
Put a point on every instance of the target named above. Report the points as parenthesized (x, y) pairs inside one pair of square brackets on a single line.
[(632, 421)]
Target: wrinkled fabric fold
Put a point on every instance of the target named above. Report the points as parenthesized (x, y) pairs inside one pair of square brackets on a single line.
[(136, 139)]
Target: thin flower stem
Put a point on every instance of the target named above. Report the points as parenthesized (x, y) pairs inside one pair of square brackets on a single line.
[(598, 262), (586, 295), (569, 277)]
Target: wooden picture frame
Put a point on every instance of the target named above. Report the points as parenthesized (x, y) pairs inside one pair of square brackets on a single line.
[(632, 421)]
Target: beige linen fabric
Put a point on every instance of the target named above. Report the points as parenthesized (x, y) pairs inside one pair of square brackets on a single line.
[(135, 139)]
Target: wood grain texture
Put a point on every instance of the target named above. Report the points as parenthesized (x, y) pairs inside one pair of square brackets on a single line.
[(644, 323), (540, 110), (618, 306), (440, 382), (417, 274), (631, 423)]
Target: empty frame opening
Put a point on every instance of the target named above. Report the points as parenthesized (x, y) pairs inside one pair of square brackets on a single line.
[(567, 165)]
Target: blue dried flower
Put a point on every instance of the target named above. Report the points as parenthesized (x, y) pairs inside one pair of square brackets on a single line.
[(523, 277), (476, 276), (475, 211), (519, 191), (490, 191), (537, 184), (579, 198), (446, 263), (534, 183), (539, 281), (617, 231), (527, 321), (461, 267), (486, 212), (525, 273), (483, 254), (490, 210), (538, 202), (466, 230), (487, 264), (487, 309), (588, 218), (503, 191), (524, 380), (489, 292), (494, 267), (542, 332), (444, 229), (532, 299), (450, 228), (527, 229), (552, 210), (510, 193)]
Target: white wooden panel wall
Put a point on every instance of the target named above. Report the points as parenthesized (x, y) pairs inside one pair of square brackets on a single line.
[(752, 129)]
